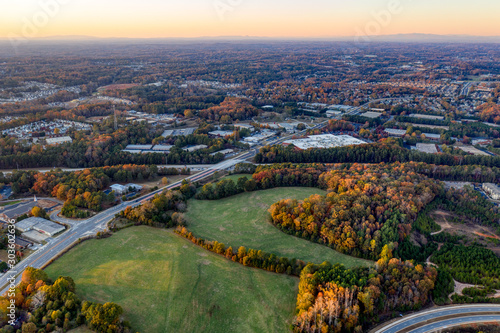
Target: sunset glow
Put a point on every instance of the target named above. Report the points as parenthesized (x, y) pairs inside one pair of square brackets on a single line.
[(277, 18)]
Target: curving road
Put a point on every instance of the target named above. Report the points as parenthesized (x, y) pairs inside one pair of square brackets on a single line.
[(449, 323), (460, 314)]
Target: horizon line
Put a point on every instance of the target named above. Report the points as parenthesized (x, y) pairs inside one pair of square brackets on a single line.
[(415, 34)]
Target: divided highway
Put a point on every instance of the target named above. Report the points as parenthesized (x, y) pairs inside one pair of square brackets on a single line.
[(84, 228), (91, 226), (443, 317)]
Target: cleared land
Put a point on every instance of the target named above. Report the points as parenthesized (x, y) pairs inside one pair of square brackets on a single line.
[(481, 234), (167, 284), (243, 220)]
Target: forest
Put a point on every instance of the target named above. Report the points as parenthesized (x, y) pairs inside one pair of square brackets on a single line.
[(104, 147), (368, 153), (335, 299), (366, 207), (471, 264), (55, 306)]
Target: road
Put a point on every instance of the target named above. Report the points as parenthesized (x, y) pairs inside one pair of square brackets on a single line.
[(478, 313), (91, 226), (448, 323), (356, 110)]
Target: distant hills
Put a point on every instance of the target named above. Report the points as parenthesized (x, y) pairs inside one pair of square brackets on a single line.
[(409, 38)]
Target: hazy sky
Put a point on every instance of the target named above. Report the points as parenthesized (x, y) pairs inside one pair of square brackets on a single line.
[(277, 18)]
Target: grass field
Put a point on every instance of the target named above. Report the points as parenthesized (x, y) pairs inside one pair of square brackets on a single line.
[(243, 220), (238, 176), (167, 284)]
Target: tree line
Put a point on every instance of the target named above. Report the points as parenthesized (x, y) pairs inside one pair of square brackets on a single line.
[(335, 299), (367, 153), (46, 306), (247, 257)]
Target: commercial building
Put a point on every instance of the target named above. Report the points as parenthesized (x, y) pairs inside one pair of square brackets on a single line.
[(247, 126), (221, 134), (41, 225), (395, 132), (473, 150), (432, 136), (59, 140), (426, 116), (194, 148), (493, 190), (371, 114), (162, 148), (429, 148), (139, 147), (119, 189), (223, 152), (179, 132), (22, 244), (333, 113), (256, 138), (324, 141), (135, 187)]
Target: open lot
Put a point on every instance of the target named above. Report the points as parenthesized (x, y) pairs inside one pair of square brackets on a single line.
[(167, 284), (482, 235), (243, 220)]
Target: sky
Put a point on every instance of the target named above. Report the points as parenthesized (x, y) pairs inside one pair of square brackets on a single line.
[(259, 18)]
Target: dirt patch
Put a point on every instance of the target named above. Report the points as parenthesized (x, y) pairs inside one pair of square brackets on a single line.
[(481, 234), (487, 236)]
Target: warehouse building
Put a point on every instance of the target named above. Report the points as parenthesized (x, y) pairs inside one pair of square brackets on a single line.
[(429, 148), (324, 141), (59, 140), (41, 225)]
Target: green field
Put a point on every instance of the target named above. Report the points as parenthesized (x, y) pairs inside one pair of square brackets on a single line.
[(243, 220), (238, 176), (167, 284)]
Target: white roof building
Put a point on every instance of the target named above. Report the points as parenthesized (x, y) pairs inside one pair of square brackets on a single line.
[(395, 132), (119, 189), (325, 141), (59, 140), (39, 224), (429, 148), (371, 114)]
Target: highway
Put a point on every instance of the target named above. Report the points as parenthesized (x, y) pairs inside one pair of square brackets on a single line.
[(89, 227), (476, 311), (448, 323)]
